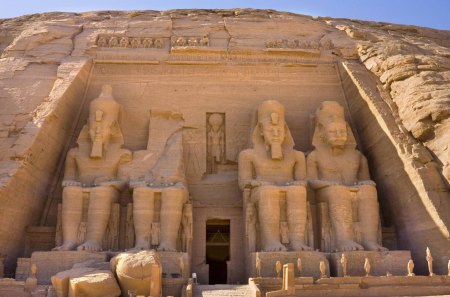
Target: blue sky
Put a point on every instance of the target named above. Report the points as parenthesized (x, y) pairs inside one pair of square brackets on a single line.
[(430, 13)]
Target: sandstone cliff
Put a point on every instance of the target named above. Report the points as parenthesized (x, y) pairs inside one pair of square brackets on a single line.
[(47, 60)]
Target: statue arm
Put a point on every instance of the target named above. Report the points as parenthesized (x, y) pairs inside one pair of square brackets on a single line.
[(300, 169), (245, 164), (70, 172), (363, 172), (313, 173), (122, 178)]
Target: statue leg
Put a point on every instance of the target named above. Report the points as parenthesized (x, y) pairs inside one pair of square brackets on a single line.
[(72, 213), (369, 217), (99, 210), (172, 201), (296, 217), (340, 209), (143, 211), (268, 199)]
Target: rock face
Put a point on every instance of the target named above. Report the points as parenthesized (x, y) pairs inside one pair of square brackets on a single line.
[(392, 80)]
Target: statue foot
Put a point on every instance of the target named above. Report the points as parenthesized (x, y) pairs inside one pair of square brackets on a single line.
[(373, 246), (300, 246), (141, 245), (90, 246), (349, 245), (164, 247), (275, 247), (66, 246)]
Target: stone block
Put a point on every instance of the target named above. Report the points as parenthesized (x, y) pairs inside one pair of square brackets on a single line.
[(50, 263), (310, 263), (23, 269), (394, 262), (99, 283), (170, 262), (61, 280), (139, 272)]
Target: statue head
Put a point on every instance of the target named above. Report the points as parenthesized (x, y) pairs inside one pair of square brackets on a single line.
[(103, 123), (331, 127), (271, 129), (216, 121)]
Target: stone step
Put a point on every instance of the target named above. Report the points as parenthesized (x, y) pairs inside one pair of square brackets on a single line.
[(221, 291)]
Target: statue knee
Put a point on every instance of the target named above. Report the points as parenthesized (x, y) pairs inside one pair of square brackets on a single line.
[(298, 192), (143, 192), (175, 195), (104, 193), (71, 192), (367, 192), (268, 191), (335, 193)]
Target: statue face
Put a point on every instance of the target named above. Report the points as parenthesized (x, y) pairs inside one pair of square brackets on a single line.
[(273, 133), (100, 131), (336, 133)]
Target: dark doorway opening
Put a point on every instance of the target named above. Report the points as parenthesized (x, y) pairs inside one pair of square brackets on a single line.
[(217, 250)]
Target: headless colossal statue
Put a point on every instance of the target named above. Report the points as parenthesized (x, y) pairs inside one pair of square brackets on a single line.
[(271, 169), (158, 171), (337, 171), (92, 169)]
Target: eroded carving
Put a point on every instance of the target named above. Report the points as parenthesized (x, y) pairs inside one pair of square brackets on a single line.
[(190, 41), (272, 172), (215, 141), (339, 174), (299, 44), (157, 178), (129, 42), (92, 176)]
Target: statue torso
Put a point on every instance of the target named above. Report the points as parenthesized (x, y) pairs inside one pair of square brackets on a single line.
[(90, 169), (342, 168), (277, 171)]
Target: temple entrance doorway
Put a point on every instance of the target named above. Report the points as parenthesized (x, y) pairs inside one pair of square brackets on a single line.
[(217, 250)]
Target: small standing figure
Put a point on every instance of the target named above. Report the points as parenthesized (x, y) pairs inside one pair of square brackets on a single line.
[(278, 268), (323, 269), (344, 264), (216, 140), (410, 267), (250, 231), (367, 267), (31, 282), (101, 42), (299, 266), (258, 265), (204, 41), (430, 261), (448, 268), (182, 267)]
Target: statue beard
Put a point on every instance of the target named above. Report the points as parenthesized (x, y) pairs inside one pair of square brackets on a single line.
[(276, 151), (97, 148)]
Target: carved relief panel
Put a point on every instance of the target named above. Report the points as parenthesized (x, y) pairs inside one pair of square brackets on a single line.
[(215, 141)]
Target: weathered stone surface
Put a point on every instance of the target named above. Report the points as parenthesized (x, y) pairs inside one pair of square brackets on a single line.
[(85, 281), (140, 272), (99, 283), (227, 62), (394, 262), (50, 263), (310, 263)]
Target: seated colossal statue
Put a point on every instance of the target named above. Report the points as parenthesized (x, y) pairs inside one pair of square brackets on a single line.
[(272, 170), (157, 178), (339, 174), (92, 170)]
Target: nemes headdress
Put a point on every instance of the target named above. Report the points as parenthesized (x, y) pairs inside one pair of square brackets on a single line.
[(330, 112), (271, 111), (104, 109)]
